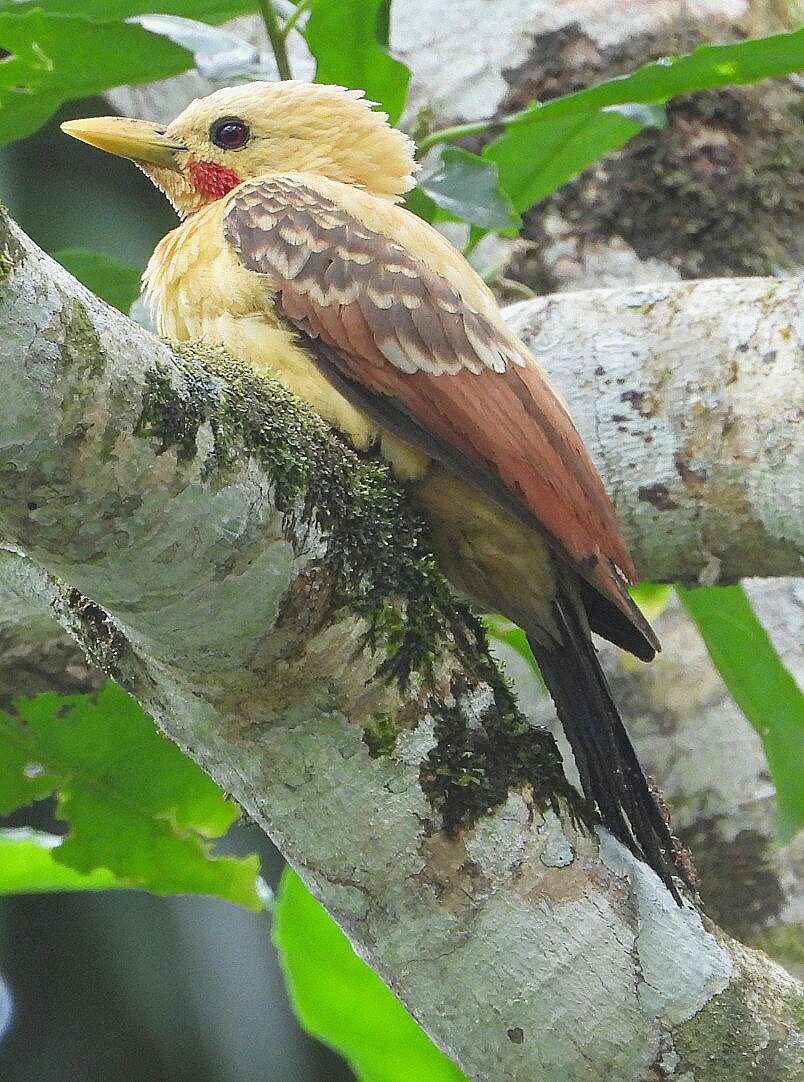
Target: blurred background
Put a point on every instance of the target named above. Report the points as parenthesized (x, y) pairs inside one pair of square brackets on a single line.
[(126, 985)]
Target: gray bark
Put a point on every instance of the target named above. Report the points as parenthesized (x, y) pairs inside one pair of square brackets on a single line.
[(657, 381), (203, 538), (711, 768), (722, 169), (709, 195)]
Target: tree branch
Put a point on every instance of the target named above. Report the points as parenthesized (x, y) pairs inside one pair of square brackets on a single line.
[(242, 563), (686, 395)]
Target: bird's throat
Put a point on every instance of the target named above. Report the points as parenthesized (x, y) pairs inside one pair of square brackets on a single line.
[(210, 180)]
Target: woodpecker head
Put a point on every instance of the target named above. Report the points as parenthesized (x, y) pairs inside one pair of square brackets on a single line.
[(248, 131)]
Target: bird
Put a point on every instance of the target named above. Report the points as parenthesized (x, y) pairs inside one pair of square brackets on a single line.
[(295, 252)]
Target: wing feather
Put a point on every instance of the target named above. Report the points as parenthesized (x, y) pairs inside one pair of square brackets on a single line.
[(398, 338)]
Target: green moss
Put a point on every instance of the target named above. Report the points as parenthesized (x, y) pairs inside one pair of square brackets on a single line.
[(378, 560), (475, 764), (82, 354), (708, 1041), (6, 262), (82, 345), (376, 544), (10, 251), (381, 732), (173, 414), (795, 1004), (746, 1034)]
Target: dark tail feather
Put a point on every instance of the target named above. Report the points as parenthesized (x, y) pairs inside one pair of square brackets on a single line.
[(610, 773)]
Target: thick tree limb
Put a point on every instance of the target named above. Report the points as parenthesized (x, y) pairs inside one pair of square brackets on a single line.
[(688, 395), (221, 527)]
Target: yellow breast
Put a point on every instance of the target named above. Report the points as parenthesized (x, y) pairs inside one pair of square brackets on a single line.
[(198, 291)]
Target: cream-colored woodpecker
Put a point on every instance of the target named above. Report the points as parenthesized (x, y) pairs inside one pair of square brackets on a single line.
[(294, 253)]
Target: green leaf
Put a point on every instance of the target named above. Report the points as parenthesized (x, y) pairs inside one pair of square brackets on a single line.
[(760, 685), (343, 1003), (652, 598), (28, 866), (384, 22), (468, 188), (344, 38), (549, 143), (535, 159), (504, 630), (108, 279), (136, 806), (707, 67), (420, 204), (55, 58)]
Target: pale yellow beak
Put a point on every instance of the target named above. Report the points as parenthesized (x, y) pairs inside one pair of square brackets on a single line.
[(139, 140)]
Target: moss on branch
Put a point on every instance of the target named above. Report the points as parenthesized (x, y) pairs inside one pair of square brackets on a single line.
[(751, 1032), (376, 553), (476, 762), (378, 561), (11, 251)]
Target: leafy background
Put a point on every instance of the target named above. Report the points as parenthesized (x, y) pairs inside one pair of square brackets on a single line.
[(189, 978)]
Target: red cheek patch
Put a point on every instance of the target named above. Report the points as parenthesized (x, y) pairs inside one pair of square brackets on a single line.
[(210, 180)]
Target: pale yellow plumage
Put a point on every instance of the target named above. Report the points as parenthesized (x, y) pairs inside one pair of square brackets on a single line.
[(328, 141), (198, 291), (295, 255)]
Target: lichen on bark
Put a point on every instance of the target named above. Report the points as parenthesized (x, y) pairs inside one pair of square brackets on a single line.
[(516, 927), (474, 766), (10, 250), (378, 565), (102, 641)]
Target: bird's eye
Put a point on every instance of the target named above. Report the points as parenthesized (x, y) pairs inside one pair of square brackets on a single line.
[(229, 133)]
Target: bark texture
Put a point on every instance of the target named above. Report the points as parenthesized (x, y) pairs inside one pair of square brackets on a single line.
[(35, 653), (225, 558), (711, 768), (656, 379), (713, 194)]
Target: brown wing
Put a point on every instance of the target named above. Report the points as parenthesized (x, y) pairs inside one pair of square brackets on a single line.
[(397, 339)]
